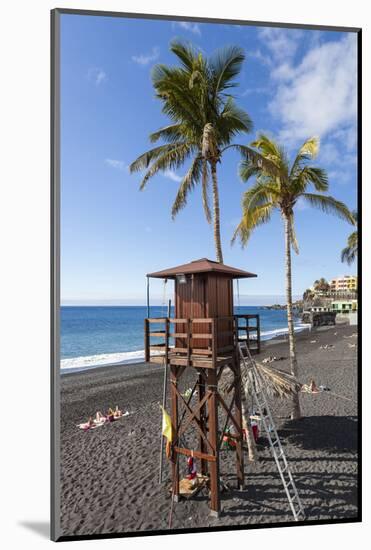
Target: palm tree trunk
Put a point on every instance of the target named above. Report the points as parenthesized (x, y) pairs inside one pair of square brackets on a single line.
[(216, 213), (296, 413)]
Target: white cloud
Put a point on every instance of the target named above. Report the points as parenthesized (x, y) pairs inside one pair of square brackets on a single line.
[(282, 43), (190, 27), (262, 58), (97, 75), (318, 96), (117, 164), (171, 175), (144, 59)]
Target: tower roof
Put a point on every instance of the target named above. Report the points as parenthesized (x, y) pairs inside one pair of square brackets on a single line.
[(203, 265)]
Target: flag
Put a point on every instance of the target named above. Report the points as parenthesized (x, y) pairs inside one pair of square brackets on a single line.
[(167, 427)]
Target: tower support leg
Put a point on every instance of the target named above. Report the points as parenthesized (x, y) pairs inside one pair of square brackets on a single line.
[(213, 437), (238, 417), (202, 418), (174, 420)]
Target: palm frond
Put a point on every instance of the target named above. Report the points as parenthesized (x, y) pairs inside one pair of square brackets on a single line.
[(293, 239), (225, 65), (267, 147), (191, 178), (173, 158), (310, 175), (205, 190), (350, 252), (307, 151), (348, 255), (276, 382), (144, 160), (186, 53), (248, 170), (258, 194), (251, 219), (234, 118), (171, 133), (329, 205), (256, 159)]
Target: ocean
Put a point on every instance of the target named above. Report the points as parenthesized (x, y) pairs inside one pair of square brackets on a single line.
[(104, 335)]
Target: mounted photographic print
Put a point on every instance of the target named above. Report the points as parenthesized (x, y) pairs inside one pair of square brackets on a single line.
[(205, 286)]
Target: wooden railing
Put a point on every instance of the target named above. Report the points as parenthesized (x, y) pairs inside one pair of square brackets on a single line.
[(185, 336)]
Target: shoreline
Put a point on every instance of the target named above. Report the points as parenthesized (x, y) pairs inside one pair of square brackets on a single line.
[(275, 336), (109, 476)]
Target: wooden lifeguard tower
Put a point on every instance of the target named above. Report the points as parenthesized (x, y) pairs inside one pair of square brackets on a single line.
[(203, 336)]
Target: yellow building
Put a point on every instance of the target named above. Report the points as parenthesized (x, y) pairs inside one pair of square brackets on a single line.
[(344, 283)]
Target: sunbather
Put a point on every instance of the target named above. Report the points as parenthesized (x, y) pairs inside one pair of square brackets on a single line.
[(87, 425), (100, 418)]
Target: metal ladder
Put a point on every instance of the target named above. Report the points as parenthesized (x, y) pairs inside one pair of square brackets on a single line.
[(250, 374)]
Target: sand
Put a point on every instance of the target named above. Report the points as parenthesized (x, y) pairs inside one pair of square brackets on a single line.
[(109, 476)]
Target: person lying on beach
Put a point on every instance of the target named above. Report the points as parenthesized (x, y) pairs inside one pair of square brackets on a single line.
[(100, 418), (87, 425), (117, 413), (114, 414)]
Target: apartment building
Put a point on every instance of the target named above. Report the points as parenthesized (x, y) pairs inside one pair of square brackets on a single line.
[(344, 283)]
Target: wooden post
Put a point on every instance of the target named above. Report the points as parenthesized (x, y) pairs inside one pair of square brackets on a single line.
[(174, 420), (258, 332), (213, 437), (213, 424), (147, 296), (146, 341), (238, 417), (164, 392), (201, 416), (189, 329)]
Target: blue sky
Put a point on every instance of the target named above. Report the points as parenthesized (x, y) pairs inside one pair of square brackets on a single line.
[(294, 84)]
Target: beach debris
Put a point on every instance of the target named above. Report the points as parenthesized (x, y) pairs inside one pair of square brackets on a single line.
[(188, 392), (191, 468), (313, 341), (310, 388), (354, 335), (313, 388), (224, 484), (228, 441), (352, 345), (335, 333), (328, 347), (271, 359)]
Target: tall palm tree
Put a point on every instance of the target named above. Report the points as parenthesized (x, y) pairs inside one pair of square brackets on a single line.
[(278, 186), (204, 120), (350, 252)]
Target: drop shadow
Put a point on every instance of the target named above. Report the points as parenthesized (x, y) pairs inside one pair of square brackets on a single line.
[(41, 528)]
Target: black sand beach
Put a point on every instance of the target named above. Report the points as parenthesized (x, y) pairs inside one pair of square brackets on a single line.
[(109, 476)]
